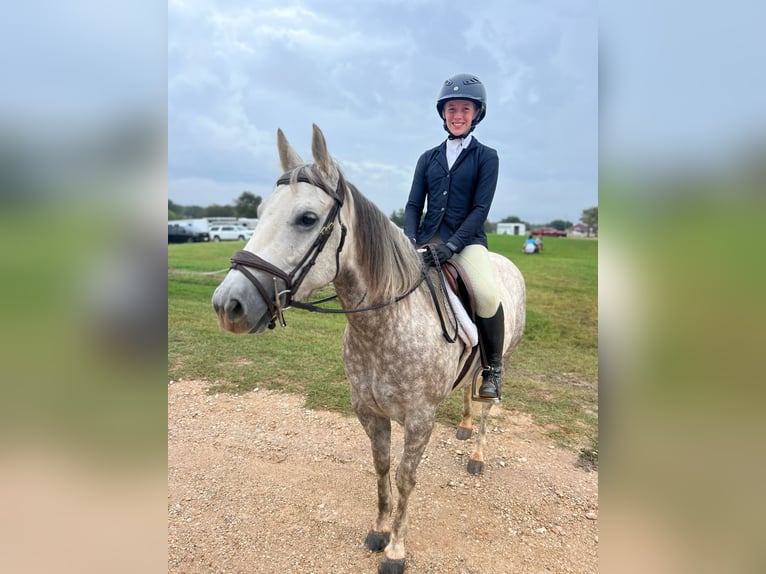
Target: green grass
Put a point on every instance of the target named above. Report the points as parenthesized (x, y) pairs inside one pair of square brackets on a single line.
[(552, 376)]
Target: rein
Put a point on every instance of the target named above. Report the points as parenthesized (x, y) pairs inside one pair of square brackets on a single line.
[(312, 306), (447, 301)]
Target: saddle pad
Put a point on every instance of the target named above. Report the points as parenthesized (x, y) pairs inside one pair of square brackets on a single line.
[(466, 328)]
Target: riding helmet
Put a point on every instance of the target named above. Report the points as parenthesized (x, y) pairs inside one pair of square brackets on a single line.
[(463, 87)]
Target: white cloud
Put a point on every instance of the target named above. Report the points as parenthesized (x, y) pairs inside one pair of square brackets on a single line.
[(368, 75)]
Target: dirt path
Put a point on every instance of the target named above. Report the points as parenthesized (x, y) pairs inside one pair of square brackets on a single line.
[(259, 484)]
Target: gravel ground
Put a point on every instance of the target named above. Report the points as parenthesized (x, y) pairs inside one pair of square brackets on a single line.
[(259, 484)]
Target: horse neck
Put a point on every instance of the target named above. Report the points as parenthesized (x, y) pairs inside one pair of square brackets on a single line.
[(377, 264), (373, 324), (350, 285)]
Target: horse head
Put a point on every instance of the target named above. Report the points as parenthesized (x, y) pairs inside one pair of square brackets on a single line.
[(295, 248)]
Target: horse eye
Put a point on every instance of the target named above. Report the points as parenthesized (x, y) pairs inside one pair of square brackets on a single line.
[(307, 219)]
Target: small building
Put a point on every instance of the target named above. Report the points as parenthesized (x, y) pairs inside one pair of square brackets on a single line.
[(511, 229)]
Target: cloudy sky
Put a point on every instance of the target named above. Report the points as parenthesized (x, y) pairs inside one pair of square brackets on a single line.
[(368, 73)]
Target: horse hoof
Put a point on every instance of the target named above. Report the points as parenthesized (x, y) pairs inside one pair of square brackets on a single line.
[(391, 567), (463, 433), (475, 466), (377, 541)]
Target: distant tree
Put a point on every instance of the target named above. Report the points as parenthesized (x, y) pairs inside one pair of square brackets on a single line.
[(175, 208), (194, 211), (590, 218), (560, 224), (173, 215), (247, 204), (511, 219), (398, 217), (490, 227), (216, 210)]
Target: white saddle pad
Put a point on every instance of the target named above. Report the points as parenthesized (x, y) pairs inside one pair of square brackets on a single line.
[(466, 328)]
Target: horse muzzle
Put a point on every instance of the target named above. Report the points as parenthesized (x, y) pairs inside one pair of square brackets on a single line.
[(239, 308)]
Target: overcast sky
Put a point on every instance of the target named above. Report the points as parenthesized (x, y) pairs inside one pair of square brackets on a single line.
[(368, 73)]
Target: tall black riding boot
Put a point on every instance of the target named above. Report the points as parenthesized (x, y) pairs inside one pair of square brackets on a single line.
[(492, 333)]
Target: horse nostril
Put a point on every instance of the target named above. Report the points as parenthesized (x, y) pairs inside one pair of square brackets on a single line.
[(234, 309)]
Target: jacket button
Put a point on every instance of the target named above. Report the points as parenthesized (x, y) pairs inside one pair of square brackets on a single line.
[(442, 209)]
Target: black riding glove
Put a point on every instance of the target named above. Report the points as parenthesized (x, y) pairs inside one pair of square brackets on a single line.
[(437, 254)]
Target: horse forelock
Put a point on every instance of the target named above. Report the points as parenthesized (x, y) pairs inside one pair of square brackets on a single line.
[(307, 171), (310, 172), (389, 265)]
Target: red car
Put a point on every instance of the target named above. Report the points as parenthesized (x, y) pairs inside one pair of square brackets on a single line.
[(549, 231)]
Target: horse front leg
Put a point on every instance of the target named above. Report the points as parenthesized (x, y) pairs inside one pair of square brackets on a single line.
[(379, 430), (416, 436), (476, 461), (465, 428)]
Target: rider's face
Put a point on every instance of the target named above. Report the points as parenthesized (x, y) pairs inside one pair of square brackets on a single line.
[(459, 114)]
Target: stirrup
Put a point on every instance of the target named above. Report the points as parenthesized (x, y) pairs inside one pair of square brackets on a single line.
[(475, 389), (493, 378)]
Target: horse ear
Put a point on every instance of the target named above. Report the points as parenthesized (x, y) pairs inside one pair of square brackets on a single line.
[(321, 155), (288, 157)]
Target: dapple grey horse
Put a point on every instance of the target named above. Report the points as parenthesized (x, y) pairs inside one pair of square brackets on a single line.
[(316, 229)]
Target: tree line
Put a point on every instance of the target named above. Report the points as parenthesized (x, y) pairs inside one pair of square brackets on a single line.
[(589, 217), (246, 205)]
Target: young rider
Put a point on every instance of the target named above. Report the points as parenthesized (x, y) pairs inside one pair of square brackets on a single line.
[(455, 182)]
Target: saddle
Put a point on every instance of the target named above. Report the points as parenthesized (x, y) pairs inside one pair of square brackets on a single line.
[(460, 284)]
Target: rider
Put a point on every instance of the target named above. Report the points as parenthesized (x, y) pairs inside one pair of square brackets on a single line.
[(457, 179)]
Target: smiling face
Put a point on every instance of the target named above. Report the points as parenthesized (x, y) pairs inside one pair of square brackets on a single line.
[(459, 114)]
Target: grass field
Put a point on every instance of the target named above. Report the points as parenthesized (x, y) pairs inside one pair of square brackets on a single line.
[(553, 374)]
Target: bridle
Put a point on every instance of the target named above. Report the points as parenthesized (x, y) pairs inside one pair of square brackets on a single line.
[(283, 299)]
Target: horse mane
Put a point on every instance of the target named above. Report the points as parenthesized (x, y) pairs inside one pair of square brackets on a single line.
[(389, 265)]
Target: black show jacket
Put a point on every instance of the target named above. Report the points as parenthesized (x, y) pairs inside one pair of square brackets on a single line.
[(458, 199)]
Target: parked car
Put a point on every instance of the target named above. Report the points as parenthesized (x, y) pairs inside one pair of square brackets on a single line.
[(230, 233), (549, 231), (181, 234)]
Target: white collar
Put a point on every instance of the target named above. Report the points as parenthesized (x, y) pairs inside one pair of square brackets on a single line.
[(460, 142)]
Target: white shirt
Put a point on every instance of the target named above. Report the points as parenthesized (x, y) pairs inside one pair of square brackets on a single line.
[(454, 147)]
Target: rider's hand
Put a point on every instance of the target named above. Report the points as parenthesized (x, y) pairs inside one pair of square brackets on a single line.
[(437, 254)]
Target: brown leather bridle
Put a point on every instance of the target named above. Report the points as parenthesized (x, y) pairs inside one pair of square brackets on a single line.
[(283, 299), (242, 259)]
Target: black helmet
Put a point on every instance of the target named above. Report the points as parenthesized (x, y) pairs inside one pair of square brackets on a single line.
[(463, 87)]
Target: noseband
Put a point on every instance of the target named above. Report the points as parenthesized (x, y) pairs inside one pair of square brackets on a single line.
[(283, 299)]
